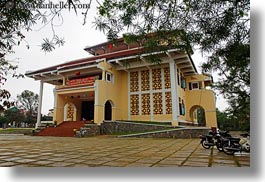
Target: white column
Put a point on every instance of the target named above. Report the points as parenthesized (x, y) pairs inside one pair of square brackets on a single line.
[(129, 96), (64, 80), (151, 94), (40, 105), (174, 90), (54, 105), (140, 92), (55, 99), (163, 91), (96, 93)]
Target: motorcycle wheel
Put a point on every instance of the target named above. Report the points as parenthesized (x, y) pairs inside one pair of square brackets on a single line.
[(219, 146), (247, 148), (226, 151), (204, 145)]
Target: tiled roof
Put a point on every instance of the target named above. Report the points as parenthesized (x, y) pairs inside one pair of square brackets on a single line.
[(88, 60)]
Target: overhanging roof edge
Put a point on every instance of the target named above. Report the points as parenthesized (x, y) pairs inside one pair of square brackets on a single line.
[(191, 60)]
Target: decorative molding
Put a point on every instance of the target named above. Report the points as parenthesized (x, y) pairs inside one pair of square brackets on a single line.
[(74, 88), (78, 68), (99, 105)]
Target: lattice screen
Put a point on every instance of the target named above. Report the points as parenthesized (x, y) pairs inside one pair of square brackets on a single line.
[(142, 90), (134, 100), (70, 111), (146, 104), (157, 103), (134, 81), (145, 83), (168, 103), (156, 79), (167, 78)]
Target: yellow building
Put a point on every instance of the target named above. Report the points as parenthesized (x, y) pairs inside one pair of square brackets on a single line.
[(119, 83)]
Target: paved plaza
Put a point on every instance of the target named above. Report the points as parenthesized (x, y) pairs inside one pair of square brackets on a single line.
[(109, 151)]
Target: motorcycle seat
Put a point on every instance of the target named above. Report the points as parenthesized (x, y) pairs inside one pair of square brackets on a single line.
[(245, 135), (232, 139), (223, 132), (235, 139)]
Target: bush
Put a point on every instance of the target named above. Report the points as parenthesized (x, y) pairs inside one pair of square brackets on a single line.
[(3, 121)]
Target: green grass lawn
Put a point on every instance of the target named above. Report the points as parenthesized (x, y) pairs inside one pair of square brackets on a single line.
[(15, 130)]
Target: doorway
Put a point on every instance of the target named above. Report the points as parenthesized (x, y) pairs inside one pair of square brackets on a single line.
[(197, 115), (108, 111), (70, 112), (87, 110)]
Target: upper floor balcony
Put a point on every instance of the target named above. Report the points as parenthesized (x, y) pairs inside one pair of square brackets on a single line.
[(197, 82), (85, 80)]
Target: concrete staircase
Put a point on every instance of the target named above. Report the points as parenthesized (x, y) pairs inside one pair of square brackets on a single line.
[(65, 129)]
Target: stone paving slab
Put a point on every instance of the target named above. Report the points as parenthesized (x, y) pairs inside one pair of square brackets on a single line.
[(107, 151), (195, 164)]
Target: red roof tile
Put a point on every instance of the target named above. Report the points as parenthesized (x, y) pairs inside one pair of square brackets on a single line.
[(88, 60)]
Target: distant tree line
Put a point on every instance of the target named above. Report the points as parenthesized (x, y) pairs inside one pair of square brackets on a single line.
[(23, 113), (228, 121)]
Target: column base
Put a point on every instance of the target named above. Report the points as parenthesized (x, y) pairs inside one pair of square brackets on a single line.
[(174, 123)]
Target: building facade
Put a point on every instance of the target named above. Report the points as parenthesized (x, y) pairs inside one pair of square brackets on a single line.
[(119, 83)]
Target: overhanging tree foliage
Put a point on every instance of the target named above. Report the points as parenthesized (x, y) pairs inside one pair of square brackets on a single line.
[(15, 16), (219, 28), (232, 63), (209, 24), (18, 16)]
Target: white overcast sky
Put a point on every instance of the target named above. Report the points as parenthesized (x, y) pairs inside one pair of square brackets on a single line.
[(77, 36)]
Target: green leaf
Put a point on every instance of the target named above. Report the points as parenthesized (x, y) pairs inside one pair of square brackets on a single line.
[(47, 45)]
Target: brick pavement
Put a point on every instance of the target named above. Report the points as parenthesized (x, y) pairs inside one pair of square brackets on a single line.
[(105, 151)]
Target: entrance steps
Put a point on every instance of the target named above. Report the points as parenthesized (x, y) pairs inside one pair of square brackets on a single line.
[(65, 129)]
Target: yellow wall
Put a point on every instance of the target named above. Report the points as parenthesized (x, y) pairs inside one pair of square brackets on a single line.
[(163, 117), (182, 95), (194, 78), (59, 109), (205, 99), (156, 117), (140, 118), (116, 92), (200, 98)]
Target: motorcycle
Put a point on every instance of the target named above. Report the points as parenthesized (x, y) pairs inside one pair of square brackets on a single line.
[(214, 138), (232, 145)]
